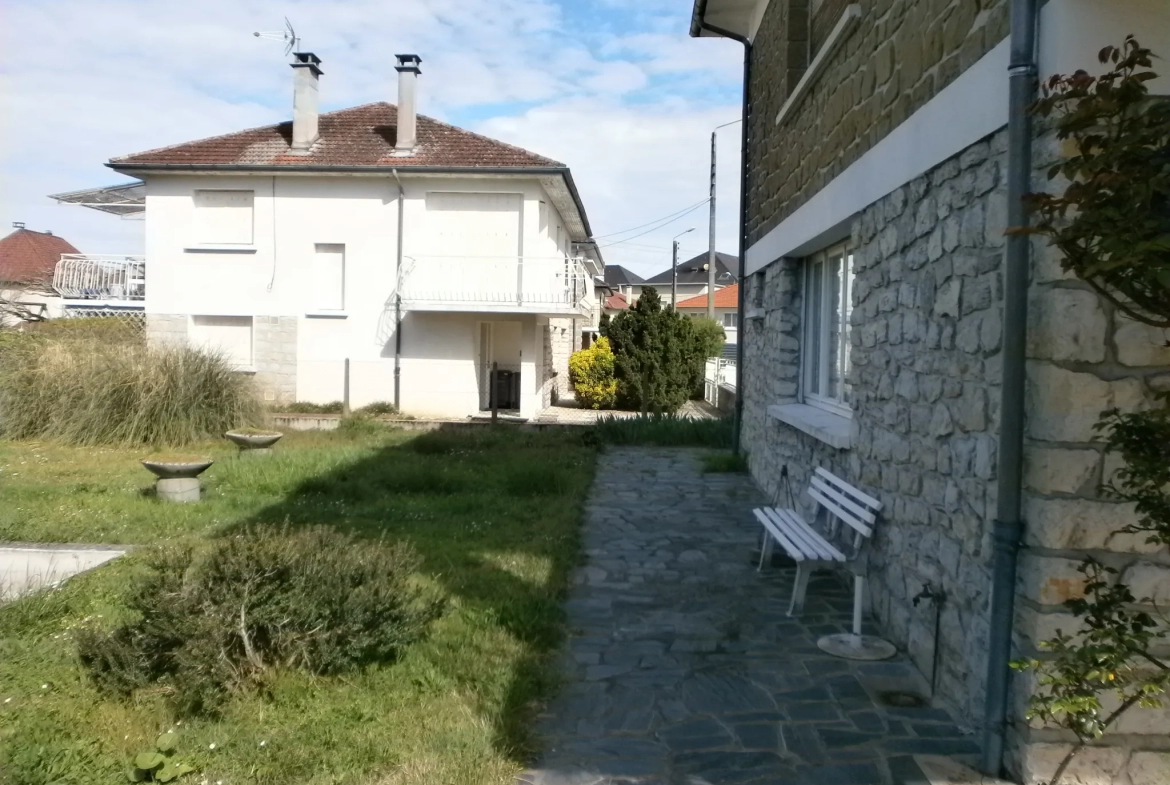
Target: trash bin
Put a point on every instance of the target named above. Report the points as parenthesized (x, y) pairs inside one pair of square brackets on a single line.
[(507, 391)]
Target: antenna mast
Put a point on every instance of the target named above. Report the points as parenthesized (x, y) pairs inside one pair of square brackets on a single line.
[(288, 35)]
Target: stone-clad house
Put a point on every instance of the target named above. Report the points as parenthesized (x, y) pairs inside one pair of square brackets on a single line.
[(876, 161)]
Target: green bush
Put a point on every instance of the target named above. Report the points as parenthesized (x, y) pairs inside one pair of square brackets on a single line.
[(724, 462), (307, 407), (664, 430), (710, 336), (87, 391), (376, 409), (591, 376), (658, 356), (213, 622)]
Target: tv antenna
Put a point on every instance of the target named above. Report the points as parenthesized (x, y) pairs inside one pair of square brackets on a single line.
[(288, 35)]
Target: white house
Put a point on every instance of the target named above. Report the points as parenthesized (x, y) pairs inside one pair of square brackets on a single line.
[(371, 251)]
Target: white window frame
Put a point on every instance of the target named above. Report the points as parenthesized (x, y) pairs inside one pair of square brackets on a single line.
[(250, 365), (314, 288), (201, 229), (820, 364), (729, 319)]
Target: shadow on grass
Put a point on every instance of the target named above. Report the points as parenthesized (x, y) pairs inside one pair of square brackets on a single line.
[(495, 515)]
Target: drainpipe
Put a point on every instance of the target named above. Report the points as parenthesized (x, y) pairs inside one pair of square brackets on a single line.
[(398, 299), (1009, 525), (699, 24)]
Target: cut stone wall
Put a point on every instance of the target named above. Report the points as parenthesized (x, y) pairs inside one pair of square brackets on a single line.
[(563, 339), (900, 55), (274, 355), (165, 328), (925, 344)]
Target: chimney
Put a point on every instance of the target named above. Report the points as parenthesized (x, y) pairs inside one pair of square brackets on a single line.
[(408, 72), (305, 88), (18, 224)]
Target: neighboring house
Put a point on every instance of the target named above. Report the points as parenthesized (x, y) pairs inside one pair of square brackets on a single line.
[(372, 250), (693, 277), (726, 309), (616, 303), (27, 262), (623, 281), (877, 171)]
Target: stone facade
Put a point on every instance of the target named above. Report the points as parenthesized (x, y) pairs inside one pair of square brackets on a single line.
[(274, 355), (562, 340), (925, 344), (902, 54), (165, 328)]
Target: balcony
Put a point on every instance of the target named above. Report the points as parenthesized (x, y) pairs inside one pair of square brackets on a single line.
[(101, 278), (550, 286)]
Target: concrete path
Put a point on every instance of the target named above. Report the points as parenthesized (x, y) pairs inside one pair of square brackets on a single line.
[(683, 668), (29, 568)]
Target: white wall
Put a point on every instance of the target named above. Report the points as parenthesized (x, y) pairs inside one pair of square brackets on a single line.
[(274, 277)]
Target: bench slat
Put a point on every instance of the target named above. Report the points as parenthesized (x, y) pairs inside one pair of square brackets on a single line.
[(778, 535), (808, 531), (840, 511), (865, 516), (846, 487), (797, 529), (798, 543)]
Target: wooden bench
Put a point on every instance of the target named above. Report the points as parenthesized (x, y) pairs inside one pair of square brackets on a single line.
[(842, 503)]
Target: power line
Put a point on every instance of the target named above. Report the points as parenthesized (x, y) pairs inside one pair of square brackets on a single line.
[(656, 228), (656, 220)]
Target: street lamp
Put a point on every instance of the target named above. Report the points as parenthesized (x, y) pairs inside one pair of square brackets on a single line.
[(711, 238), (674, 267)]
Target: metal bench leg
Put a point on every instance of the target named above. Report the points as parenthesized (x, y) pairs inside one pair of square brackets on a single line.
[(796, 607), (858, 601), (765, 550)]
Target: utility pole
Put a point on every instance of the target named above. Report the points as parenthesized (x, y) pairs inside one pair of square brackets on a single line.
[(711, 240), (674, 273)]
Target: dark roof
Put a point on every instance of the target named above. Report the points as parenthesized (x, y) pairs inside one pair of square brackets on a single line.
[(694, 271), (27, 256), (361, 136), (616, 275)]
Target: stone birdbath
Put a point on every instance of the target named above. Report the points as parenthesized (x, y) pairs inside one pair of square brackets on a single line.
[(178, 476), (253, 442)]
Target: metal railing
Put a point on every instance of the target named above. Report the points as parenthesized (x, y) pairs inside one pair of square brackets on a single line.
[(100, 277), (523, 281)]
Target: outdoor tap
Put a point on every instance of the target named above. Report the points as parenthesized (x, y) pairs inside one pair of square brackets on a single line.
[(929, 593)]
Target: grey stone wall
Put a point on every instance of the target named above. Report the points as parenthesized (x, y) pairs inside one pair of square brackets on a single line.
[(563, 340), (165, 328), (925, 343), (274, 355)]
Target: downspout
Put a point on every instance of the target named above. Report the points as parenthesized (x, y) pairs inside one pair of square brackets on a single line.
[(699, 24), (1009, 525), (398, 299)]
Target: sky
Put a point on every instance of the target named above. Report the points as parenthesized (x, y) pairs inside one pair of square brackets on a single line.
[(614, 88)]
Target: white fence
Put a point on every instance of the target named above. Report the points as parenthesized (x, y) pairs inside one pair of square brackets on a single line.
[(100, 277), (509, 281), (719, 381)]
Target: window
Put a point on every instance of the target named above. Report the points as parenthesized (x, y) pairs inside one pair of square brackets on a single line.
[(729, 319), (230, 336), (329, 277), (223, 217), (828, 281)]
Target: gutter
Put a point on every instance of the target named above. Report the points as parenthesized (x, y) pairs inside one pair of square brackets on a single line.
[(697, 27), (1009, 526), (517, 171), (398, 297)]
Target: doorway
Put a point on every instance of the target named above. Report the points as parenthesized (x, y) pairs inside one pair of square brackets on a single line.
[(499, 348)]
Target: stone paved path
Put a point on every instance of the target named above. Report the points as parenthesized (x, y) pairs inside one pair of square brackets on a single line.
[(683, 668)]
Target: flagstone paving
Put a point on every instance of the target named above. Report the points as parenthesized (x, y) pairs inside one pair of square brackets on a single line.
[(682, 667)]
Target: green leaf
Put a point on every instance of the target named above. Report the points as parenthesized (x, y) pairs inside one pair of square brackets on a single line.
[(185, 768), (166, 742), (166, 773), (149, 761), (136, 775)]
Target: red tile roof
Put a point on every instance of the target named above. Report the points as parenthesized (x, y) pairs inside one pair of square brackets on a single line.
[(361, 136), (617, 302), (27, 256), (727, 297)]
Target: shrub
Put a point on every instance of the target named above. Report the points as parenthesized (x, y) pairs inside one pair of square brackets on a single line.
[(307, 407), (376, 409), (728, 462), (658, 356), (591, 376), (709, 336), (213, 622), (664, 430), (87, 391)]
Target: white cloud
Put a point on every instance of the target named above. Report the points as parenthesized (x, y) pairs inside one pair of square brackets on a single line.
[(623, 96)]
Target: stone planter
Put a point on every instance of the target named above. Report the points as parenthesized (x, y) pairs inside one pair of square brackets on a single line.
[(178, 480), (253, 444)]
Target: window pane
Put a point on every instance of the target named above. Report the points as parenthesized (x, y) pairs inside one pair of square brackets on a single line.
[(230, 336), (814, 328), (836, 297), (329, 277), (846, 345), (729, 319)]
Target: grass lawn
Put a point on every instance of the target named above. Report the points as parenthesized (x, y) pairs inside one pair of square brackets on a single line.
[(494, 514)]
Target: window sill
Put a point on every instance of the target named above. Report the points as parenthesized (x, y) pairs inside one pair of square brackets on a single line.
[(249, 369), (832, 429), (754, 313), (212, 248), (837, 37), (326, 315)]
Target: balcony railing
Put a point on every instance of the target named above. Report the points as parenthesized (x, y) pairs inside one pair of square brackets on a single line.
[(469, 282), (100, 277)]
